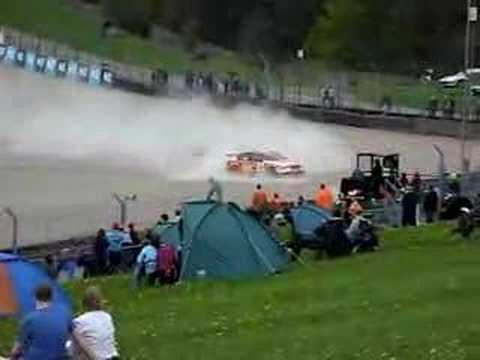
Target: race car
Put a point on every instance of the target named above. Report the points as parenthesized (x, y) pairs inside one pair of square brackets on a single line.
[(254, 162)]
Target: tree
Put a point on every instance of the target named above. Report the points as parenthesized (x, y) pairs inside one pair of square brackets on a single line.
[(135, 16), (401, 35)]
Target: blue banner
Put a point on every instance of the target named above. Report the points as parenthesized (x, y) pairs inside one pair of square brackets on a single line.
[(40, 63), (51, 66), (107, 77), (20, 57), (10, 56), (95, 77), (72, 71), (30, 61), (83, 71), (62, 68)]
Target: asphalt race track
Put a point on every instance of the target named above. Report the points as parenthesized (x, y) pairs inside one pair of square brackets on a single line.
[(65, 148)]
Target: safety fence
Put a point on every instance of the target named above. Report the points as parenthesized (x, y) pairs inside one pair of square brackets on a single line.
[(298, 86), (51, 58)]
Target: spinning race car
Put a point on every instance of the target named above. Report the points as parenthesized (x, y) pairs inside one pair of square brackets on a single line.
[(254, 162)]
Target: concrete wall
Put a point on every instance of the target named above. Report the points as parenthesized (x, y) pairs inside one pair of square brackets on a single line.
[(417, 125)]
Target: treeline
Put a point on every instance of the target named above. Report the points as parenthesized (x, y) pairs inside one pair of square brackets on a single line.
[(399, 35), (394, 35)]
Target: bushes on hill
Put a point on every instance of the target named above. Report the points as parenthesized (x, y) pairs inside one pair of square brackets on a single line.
[(133, 16)]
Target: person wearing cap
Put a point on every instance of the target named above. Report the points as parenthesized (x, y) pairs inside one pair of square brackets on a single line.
[(94, 330)]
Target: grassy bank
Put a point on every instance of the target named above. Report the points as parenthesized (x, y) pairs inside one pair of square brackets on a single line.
[(404, 91), (57, 20), (415, 299)]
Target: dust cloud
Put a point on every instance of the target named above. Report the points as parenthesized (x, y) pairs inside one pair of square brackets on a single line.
[(181, 139), (65, 147)]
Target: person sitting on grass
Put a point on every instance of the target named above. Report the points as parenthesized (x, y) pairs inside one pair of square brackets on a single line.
[(146, 263), (45, 331), (94, 331), (361, 235)]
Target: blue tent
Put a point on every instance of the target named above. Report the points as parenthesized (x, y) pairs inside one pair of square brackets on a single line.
[(222, 241), (19, 279), (307, 218), (171, 235)]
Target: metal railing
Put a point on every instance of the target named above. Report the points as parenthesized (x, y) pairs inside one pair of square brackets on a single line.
[(45, 47)]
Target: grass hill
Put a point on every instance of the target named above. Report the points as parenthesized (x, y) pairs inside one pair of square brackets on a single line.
[(59, 21), (416, 299)]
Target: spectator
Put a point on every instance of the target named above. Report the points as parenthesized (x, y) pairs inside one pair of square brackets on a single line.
[(259, 201), (167, 264), (178, 216), (403, 180), (355, 208), (215, 190), (283, 229), (94, 331), (354, 232), (50, 266), (115, 239), (146, 264), (430, 205), (465, 223), (133, 234), (301, 200), (324, 198), (45, 331), (276, 203), (164, 219), (409, 208), (100, 251), (417, 182), (377, 177), (127, 240)]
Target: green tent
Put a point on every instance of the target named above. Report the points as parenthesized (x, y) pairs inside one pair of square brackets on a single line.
[(222, 241)]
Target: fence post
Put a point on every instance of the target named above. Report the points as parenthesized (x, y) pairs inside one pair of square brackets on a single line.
[(14, 218)]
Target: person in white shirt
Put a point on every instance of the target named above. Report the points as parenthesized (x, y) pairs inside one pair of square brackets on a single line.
[(94, 331), (147, 263)]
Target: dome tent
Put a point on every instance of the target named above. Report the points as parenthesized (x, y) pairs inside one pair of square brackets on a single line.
[(19, 279), (220, 240), (307, 218)]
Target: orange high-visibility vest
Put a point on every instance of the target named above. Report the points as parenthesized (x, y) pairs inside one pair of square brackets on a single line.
[(259, 200), (324, 199)]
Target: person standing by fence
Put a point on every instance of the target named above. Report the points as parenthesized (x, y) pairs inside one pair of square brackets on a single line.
[(430, 205)]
